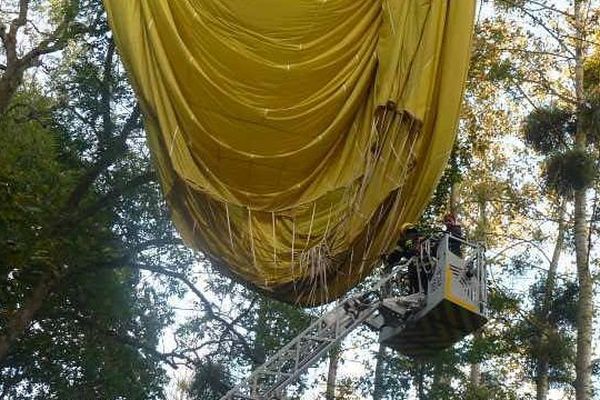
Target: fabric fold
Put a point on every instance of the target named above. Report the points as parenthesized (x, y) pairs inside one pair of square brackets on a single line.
[(294, 139)]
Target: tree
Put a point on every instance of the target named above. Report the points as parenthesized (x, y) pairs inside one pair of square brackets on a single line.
[(571, 168), (267, 325), (83, 225), (546, 70), (75, 311), (21, 52)]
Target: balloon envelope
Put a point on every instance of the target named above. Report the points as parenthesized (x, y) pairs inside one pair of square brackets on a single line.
[(293, 139)]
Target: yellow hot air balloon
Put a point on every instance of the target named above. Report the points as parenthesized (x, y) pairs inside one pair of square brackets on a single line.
[(295, 138)]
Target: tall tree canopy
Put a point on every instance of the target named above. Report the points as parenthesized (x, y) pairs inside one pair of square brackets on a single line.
[(100, 299)]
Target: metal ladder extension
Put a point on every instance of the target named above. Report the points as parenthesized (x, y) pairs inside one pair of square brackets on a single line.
[(269, 381)]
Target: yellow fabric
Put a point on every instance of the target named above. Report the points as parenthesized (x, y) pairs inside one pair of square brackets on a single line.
[(294, 138)]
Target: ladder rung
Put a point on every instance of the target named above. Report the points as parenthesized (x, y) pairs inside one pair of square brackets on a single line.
[(276, 373), (320, 339)]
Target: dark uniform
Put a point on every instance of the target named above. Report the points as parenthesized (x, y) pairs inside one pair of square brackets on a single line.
[(454, 229), (406, 248)]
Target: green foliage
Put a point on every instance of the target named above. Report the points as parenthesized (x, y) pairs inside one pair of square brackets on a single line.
[(508, 5), (569, 171), (501, 71), (458, 162), (267, 325), (590, 118), (492, 390), (488, 64), (592, 73), (555, 326), (78, 214), (211, 381), (397, 377), (550, 129), (81, 343), (276, 324)]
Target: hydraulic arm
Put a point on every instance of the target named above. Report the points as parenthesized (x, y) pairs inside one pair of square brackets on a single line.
[(451, 303), (270, 379)]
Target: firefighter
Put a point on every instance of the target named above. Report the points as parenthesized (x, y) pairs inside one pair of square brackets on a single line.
[(455, 230), (408, 248)]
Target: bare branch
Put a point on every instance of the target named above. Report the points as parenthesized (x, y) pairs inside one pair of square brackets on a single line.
[(105, 94), (553, 34), (207, 305), (538, 52)]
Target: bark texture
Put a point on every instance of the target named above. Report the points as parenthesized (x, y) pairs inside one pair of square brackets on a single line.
[(583, 382), (334, 358), (482, 224), (22, 317), (17, 63), (542, 382), (585, 310), (378, 386)]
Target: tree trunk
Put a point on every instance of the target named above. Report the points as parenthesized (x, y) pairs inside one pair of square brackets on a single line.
[(334, 358), (542, 382), (14, 69), (21, 318), (583, 384), (475, 371), (9, 83), (420, 380), (378, 386), (542, 378), (482, 223)]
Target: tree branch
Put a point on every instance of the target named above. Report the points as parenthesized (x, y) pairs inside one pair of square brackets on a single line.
[(20, 319), (110, 197), (134, 342), (105, 94), (550, 8), (108, 157), (207, 305), (15, 66), (9, 39), (553, 34)]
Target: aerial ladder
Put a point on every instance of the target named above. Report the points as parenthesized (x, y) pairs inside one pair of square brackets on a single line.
[(451, 303)]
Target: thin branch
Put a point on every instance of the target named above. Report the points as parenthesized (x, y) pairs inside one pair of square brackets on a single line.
[(521, 242), (105, 94), (134, 342), (246, 311), (208, 306), (539, 52), (553, 34), (159, 242), (524, 94), (547, 7)]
